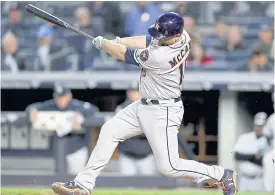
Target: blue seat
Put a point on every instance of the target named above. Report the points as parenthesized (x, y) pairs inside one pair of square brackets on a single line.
[(217, 66), (211, 41), (245, 20), (238, 65), (216, 54), (190, 67), (234, 56), (253, 25), (249, 42), (253, 34)]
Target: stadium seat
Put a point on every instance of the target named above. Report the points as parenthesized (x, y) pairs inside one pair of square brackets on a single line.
[(238, 55), (251, 34), (238, 65), (211, 41), (216, 54), (216, 66), (190, 67)]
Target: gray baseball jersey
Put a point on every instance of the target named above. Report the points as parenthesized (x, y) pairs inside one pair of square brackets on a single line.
[(162, 68)]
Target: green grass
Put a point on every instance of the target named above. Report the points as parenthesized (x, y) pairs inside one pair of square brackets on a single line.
[(37, 191)]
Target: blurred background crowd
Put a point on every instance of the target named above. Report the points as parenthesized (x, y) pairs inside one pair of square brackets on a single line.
[(226, 36)]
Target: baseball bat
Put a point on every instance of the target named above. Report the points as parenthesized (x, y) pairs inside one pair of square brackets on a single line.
[(55, 20)]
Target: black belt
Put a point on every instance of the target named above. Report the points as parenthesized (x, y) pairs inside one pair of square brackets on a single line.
[(156, 102)]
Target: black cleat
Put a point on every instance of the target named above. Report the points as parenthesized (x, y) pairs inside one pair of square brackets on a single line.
[(68, 188)]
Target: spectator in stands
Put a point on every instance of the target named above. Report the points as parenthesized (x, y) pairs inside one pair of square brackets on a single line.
[(113, 23), (75, 144), (265, 43), (191, 27), (136, 156), (16, 20), (87, 23), (91, 25), (186, 8), (140, 18), (249, 150), (12, 59), (15, 16), (221, 30), (217, 38), (53, 54), (45, 34), (198, 57), (257, 62), (234, 39)]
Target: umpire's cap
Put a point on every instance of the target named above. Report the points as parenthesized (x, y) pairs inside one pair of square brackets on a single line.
[(60, 90), (167, 25)]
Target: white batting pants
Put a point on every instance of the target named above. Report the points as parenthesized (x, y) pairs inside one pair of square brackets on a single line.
[(160, 124), (131, 166)]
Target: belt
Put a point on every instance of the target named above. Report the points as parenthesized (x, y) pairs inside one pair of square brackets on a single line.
[(156, 102)]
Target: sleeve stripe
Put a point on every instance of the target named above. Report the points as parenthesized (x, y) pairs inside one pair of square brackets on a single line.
[(136, 58), (135, 55)]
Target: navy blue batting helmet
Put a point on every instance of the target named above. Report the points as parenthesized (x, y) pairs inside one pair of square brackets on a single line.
[(167, 25)]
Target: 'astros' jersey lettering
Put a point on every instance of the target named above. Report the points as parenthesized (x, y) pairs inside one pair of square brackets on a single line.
[(162, 68)]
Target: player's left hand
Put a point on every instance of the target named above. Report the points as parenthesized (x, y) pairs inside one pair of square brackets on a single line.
[(97, 42)]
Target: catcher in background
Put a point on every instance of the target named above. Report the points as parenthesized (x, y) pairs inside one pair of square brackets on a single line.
[(251, 147)]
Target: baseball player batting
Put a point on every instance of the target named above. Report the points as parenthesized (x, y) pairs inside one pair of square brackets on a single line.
[(158, 114)]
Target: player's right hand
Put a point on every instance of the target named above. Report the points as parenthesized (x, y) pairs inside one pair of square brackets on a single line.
[(97, 42)]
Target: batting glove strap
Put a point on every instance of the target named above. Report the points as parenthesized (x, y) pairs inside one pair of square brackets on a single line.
[(97, 42)]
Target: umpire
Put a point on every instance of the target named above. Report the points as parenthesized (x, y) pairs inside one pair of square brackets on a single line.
[(76, 149), (136, 156)]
